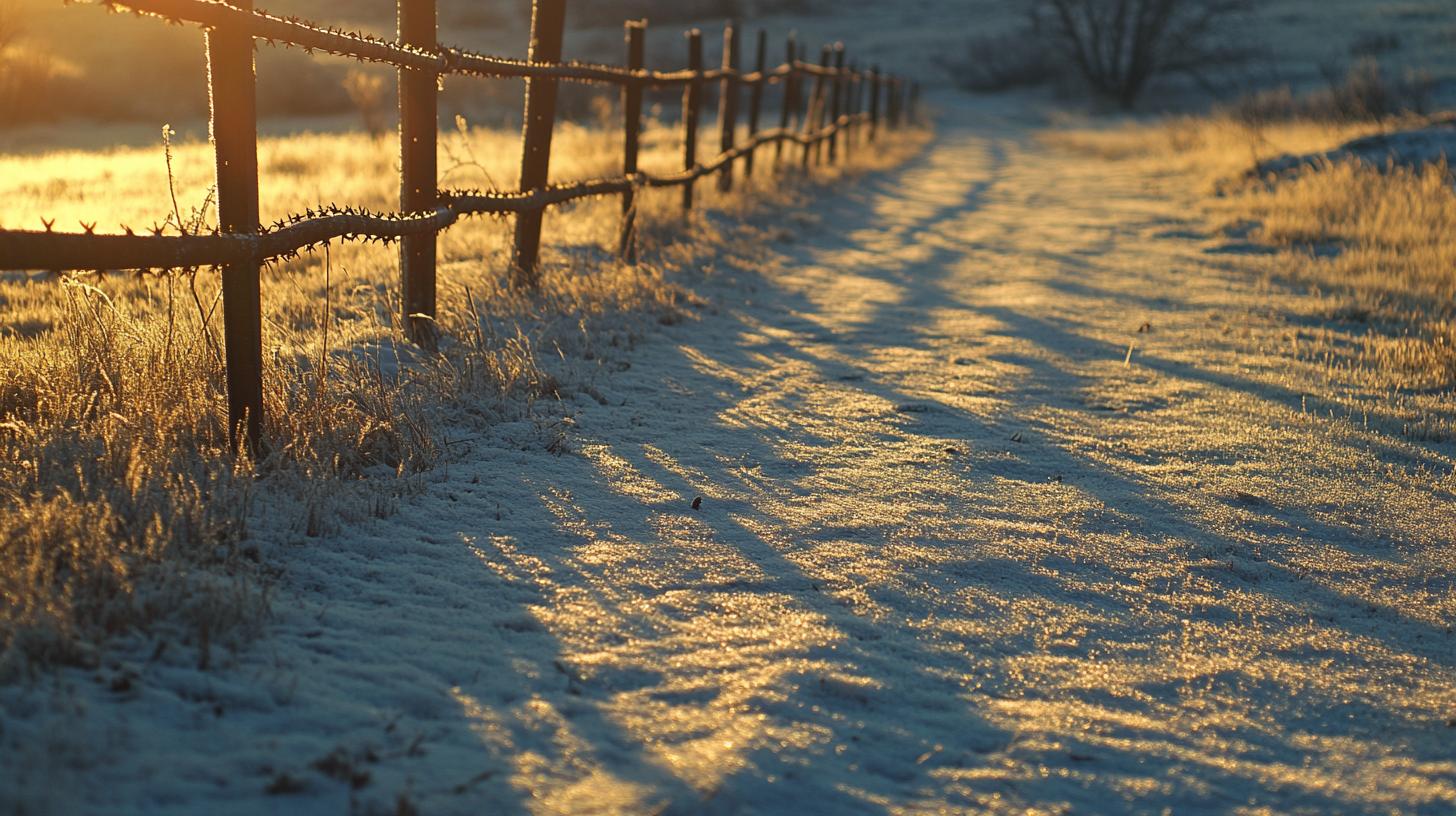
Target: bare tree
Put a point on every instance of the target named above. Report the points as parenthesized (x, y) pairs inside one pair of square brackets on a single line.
[(1120, 45)]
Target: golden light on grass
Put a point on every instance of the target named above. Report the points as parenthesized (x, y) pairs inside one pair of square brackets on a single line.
[(1378, 243), (120, 501)]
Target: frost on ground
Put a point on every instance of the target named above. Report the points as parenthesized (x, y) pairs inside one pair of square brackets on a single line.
[(1017, 493), (1434, 143)]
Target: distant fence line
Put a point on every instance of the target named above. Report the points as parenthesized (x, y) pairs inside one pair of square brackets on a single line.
[(844, 101)]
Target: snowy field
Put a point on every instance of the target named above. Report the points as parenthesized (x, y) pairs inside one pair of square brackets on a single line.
[(1013, 499)]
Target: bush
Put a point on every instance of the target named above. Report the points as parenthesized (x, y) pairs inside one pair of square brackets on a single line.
[(1116, 46), (373, 96), (1365, 92), (1119, 46)]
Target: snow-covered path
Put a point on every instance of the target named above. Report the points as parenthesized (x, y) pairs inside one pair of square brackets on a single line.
[(957, 551)]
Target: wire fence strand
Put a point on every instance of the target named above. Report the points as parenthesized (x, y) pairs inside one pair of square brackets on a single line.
[(239, 248)]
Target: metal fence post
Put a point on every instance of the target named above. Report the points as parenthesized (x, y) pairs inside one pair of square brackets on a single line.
[(728, 103), (692, 106), (632, 115), (755, 99), (836, 102), (418, 134), (790, 87), (548, 23), (232, 89)]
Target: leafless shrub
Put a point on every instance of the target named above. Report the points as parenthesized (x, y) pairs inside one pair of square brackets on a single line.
[(1116, 46), (1364, 92), (1119, 46), (370, 94)]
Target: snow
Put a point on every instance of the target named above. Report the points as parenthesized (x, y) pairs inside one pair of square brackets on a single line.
[(968, 541), (1414, 148)]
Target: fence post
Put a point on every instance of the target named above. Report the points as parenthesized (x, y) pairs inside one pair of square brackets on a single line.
[(805, 101), (897, 90), (891, 114), (815, 113), (861, 85), (232, 89), (836, 102), (692, 106), (790, 88), (632, 114), (418, 134), (821, 119), (874, 102), (548, 23), (755, 99), (851, 109), (728, 102)]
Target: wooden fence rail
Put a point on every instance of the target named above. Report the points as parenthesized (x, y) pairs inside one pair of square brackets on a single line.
[(241, 245)]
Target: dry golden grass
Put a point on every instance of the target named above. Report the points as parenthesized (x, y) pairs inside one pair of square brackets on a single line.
[(1379, 244), (1385, 241), (1396, 227), (121, 508), (1216, 148)]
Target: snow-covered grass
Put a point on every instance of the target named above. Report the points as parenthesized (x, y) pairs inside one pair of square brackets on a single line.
[(120, 504), (1389, 233), (1375, 235), (1020, 492), (1029, 484)]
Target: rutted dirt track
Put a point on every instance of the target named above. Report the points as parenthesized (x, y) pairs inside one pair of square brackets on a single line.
[(958, 549)]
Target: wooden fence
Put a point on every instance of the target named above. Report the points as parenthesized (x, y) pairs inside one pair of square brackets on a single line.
[(845, 106)]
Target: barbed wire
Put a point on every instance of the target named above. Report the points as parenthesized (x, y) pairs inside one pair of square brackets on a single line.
[(311, 37), (287, 238)]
